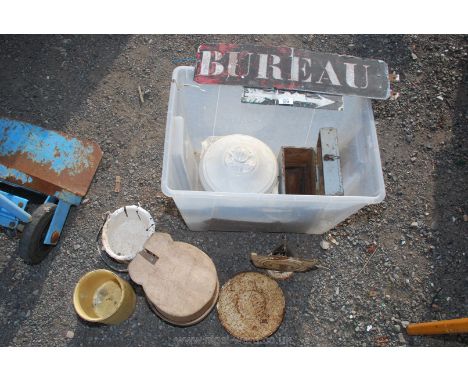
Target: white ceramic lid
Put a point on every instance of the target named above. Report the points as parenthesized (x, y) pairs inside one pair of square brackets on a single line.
[(238, 163)]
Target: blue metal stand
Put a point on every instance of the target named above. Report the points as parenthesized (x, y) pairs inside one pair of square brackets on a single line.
[(12, 210), (56, 166), (57, 223)]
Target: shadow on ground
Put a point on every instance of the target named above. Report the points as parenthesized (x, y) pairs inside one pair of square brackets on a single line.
[(450, 260), (44, 80)]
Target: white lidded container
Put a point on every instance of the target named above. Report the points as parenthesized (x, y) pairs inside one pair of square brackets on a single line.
[(237, 163), (197, 112)]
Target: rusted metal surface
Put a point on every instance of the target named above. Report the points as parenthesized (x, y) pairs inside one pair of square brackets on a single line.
[(46, 161), (55, 237), (290, 68), (319, 183)]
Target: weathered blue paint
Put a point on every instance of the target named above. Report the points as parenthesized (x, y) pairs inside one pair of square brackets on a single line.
[(17, 176), (51, 161), (44, 147), (57, 223), (47, 162), (68, 197), (51, 199), (10, 213)]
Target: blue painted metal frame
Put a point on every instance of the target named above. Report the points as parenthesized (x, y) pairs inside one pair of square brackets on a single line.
[(65, 201), (57, 223), (44, 148), (10, 211), (11, 214), (68, 197), (45, 160)]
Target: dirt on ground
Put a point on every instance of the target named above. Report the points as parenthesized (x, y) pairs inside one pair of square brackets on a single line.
[(403, 260)]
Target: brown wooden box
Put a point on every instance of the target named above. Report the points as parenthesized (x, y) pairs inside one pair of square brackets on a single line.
[(298, 172)]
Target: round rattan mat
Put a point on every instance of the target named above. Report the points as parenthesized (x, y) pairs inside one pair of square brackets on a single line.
[(251, 306)]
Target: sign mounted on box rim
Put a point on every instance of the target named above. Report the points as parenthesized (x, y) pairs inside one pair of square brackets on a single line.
[(292, 98), (293, 69)]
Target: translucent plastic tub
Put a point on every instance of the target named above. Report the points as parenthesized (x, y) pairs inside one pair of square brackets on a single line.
[(196, 112)]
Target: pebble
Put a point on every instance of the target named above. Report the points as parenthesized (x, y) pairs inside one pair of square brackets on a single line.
[(413, 159), (397, 328), (325, 244), (465, 218), (76, 247), (413, 56), (414, 225), (70, 334), (369, 328), (405, 324), (36, 292), (440, 98), (401, 338)]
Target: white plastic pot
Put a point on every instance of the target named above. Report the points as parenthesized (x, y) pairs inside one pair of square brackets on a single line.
[(126, 231)]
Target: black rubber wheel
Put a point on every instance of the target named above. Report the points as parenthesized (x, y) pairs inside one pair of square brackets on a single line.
[(31, 246)]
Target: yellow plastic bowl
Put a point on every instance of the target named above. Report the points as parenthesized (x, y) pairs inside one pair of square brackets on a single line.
[(102, 296)]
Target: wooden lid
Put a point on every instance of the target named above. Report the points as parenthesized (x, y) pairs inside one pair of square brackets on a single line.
[(251, 306), (196, 321), (179, 280)]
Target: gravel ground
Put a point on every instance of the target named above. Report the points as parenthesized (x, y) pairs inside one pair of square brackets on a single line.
[(87, 86)]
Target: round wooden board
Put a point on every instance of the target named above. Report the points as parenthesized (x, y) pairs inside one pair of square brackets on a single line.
[(179, 279), (196, 321), (251, 306)]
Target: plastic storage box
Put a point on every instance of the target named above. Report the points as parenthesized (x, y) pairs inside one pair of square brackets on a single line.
[(196, 112)]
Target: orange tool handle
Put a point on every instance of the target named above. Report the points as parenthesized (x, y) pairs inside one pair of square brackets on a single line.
[(458, 325)]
